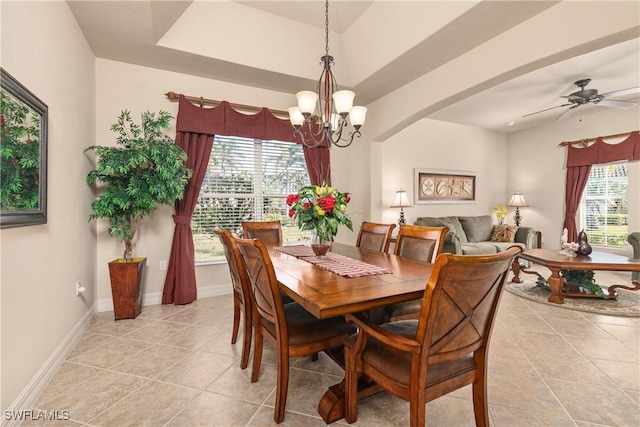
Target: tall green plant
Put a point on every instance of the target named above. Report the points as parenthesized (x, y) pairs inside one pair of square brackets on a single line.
[(19, 155), (144, 170)]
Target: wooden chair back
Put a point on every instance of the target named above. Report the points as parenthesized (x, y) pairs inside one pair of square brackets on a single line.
[(445, 349), (269, 232), (262, 276), (375, 237), (242, 301), (290, 329), (420, 242)]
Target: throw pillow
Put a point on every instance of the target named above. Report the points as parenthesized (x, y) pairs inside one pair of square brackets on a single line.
[(504, 233)]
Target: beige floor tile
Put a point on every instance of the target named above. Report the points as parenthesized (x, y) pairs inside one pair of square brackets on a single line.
[(223, 302), (524, 322), (324, 365), (95, 395), (612, 320), (217, 320), (236, 383), (264, 417), (623, 333), (221, 344), (509, 417), (47, 418), (111, 353), (69, 375), (119, 328), (157, 331), (580, 328), (197, 370), (576, 368), (383, 409), (635, 395), (154, 404), (538, 342), (157, 312), (449, 411), (616, 407), (604, 349), (509, 359), (306, 388), (152, 361), (513, 304), (625, 374), (553, 313), (528, 393), (89, 341), (192, 336), (210, 409), (189, 315)]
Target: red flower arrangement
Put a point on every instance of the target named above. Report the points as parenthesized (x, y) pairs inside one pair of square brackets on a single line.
[(321, 209)]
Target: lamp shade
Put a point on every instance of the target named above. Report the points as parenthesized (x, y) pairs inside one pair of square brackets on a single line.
[(307, 101), (401, 200), (517, 200)]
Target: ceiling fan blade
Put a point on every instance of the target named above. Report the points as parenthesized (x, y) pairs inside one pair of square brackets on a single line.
[(547, 109), (623, 92), (616, 104), (567, 113)]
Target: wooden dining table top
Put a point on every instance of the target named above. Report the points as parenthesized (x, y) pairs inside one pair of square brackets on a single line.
[(325, 294)]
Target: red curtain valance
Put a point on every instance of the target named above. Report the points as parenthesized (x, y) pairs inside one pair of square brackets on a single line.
[(224, 120), (600, 152)]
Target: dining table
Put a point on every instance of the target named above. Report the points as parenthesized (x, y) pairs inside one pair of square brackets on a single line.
[(348, 280)]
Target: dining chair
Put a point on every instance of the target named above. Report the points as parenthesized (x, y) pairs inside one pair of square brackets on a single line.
[(420, 243), (445, 349), (241, 294), (270, 232), (375, 237), (290, 329)]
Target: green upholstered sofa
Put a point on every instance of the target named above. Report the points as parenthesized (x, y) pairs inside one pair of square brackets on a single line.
[(471, 235), (634, 239)]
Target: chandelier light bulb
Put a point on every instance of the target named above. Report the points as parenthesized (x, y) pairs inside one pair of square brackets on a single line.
[(343, 101), (307, 101), (295, 116), (357, 116)]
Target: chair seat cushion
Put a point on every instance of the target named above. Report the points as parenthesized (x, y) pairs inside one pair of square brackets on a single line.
[(396, 364), (406, 308), (304, 328)]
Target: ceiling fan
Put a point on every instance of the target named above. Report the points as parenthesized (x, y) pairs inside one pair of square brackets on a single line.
[(591, 96)]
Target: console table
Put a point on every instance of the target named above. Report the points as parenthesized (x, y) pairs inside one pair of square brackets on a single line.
[(556, 262)]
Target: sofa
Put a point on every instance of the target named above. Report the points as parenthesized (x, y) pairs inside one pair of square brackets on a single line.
[(634, 240), (477, 235)]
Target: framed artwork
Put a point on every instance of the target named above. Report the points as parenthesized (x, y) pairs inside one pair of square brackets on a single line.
[(442, 186), (23, 162)]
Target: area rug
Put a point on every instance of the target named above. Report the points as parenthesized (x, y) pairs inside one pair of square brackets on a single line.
[(627, 304)]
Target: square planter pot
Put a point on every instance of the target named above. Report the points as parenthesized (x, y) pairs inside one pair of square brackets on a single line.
[(126, 287)]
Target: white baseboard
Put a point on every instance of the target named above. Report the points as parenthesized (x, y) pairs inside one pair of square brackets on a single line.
[(155, 298), (30, 395)]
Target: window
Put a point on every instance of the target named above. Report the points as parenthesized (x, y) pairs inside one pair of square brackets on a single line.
[(246, 180), (604, 207)]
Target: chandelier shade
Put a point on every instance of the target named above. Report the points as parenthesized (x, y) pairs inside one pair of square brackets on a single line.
[(324, 115)]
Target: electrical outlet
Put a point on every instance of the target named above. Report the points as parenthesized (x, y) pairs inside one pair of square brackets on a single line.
[(163, 265)]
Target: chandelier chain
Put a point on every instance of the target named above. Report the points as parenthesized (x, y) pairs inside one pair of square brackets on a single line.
[(326, 27)]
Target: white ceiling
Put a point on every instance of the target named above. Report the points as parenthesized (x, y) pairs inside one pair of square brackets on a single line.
[(375, 60)]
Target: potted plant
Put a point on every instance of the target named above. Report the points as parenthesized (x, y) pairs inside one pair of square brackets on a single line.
[(581, 280), (145, 169)]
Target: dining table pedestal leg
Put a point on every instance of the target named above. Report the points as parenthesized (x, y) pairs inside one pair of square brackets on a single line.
[(332, 404)]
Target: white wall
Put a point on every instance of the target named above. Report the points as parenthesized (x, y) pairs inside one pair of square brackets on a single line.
[(44, 49), (536, 166), (432, 144)]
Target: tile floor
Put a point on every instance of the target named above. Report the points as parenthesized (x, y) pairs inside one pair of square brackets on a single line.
[(175, 366)]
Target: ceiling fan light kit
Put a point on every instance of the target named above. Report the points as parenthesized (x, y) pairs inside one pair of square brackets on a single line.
[(591, 96)]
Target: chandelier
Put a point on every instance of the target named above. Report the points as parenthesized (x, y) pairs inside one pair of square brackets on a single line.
[(323, 114)]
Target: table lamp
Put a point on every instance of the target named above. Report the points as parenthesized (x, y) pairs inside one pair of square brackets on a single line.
[(517, 200), (401, 201)]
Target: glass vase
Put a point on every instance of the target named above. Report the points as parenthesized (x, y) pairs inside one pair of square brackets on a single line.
[(319, 246)]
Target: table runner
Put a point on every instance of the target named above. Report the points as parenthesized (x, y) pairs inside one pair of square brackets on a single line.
[(335, 263)]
